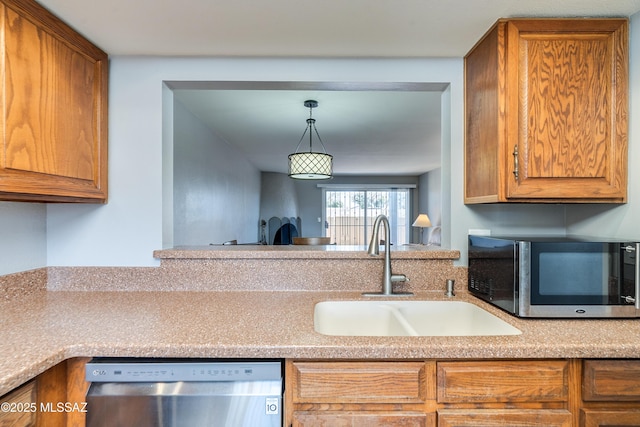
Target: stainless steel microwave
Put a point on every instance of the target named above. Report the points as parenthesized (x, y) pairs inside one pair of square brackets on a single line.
[(556, 276)]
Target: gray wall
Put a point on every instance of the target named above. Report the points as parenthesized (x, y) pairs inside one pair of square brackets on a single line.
[(430, 201), (127, 230), (216, 191), (23, 243), (278, 196)]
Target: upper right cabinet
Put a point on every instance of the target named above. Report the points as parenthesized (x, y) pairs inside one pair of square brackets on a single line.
[(546, 105)]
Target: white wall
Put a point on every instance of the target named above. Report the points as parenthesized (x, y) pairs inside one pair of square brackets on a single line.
[(216, 191), (22, 237)]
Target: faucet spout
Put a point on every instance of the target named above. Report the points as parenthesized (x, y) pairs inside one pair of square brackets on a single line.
[(388, 278)]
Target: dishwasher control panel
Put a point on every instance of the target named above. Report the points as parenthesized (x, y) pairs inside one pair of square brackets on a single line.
[(170, 371)]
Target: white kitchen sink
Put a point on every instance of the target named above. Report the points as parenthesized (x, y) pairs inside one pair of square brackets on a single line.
[(407, 318)]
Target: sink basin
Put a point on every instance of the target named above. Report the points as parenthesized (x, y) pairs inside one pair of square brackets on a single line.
[(407, 318)]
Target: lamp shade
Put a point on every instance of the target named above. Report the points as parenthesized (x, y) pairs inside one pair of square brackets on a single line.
[(306, 165), (422, 221), (310, 164)]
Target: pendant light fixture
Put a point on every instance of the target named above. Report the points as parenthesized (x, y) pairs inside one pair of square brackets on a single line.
[(310, 164)]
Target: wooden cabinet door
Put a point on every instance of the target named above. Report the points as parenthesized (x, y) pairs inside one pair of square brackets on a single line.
[(546, 105), (363, 418), (359, 382), (19, 407), (360, 393), (569, 110), (503, 381), (504, 417), (612, 418), (54, 110), (611, 380)]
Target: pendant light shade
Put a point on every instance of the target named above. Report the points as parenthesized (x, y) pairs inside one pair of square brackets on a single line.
[(310, 164)]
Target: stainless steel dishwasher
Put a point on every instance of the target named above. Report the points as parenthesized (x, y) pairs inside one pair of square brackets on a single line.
[(184, 393)]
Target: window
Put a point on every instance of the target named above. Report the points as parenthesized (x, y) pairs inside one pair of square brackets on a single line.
[(349, 214)]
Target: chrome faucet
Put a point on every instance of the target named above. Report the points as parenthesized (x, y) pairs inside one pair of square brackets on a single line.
[(374, 249)]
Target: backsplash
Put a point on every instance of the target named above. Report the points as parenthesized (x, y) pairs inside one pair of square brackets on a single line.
[(237, 271)]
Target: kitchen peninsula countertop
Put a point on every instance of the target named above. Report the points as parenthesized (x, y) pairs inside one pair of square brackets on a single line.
[(410, 251), (41, 328), (256, 302)]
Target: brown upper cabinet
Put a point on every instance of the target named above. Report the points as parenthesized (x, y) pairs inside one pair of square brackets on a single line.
[(546, 105), (54, 109)]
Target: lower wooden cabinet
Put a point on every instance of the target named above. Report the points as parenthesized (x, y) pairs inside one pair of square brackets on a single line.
[(19, 407), (350, 394), (362, 418), (503, 381), (54, 398), (612, 418), (359, 382), (466, 393), (504, 417), (611, 393), (504, 393), (611, 380), (431, 393)]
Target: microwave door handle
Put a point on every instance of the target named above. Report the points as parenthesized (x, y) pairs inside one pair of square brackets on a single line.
[(636, 297)]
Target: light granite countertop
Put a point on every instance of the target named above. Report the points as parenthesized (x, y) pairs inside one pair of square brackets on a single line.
[(40, 328), (344, 252)]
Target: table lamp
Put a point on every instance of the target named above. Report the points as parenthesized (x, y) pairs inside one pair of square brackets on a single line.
[(422, 221)]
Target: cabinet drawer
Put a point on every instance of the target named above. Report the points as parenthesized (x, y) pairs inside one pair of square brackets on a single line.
[(512, 381), (620, 418), (21, 410), (504, 417), (611, 380), (359, 382), (363, 418)]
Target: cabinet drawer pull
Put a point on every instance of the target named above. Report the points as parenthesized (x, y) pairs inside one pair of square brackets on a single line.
[(516, 173)]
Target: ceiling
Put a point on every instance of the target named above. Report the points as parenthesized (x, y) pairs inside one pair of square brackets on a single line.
[(348, 28), (358, 127), (368, 131)]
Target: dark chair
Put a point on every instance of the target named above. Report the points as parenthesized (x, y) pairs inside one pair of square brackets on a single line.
[(285, 235)]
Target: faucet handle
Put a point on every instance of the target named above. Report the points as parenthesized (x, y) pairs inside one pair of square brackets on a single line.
[(399, 278)]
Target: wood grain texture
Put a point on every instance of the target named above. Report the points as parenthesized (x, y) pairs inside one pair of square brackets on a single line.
[(611, 418), (363, 419), (561, 102), (63, 384), (18, 399), (539, 393), (570, 77), (484, 88), (504, 417), (54, 114), (611, 380), (77, 388), (358, 382), (52, 388), (49, 124), (502, 381)]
